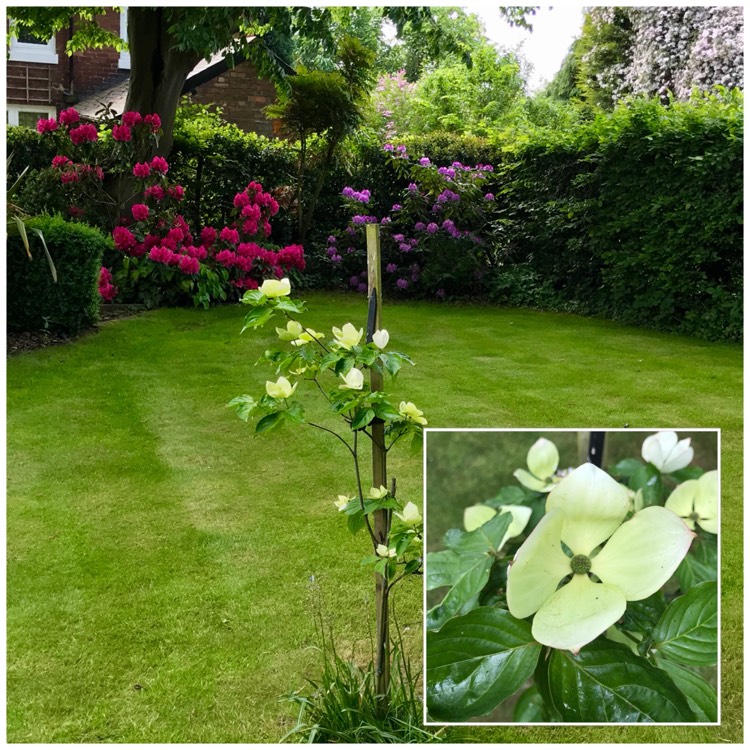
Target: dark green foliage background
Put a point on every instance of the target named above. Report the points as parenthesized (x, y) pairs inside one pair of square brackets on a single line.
[(35, 301)]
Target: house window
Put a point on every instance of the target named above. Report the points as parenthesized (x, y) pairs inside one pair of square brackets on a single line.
[(28, 114), (124, 56), (28, 48)]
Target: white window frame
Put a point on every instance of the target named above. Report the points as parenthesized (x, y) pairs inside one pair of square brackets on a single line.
[(33, 53), (124, 63), (14, 110)]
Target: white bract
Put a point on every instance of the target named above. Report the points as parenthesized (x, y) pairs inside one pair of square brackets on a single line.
[(585, 510), (306, 337), (380, 338), (665, 452), (282, 388), (410, 412), (383, 551), (354, 379), (348, 336), (542, 460), (696, 501), (292, 331), (342, 502), (377, 493), (410, 514), (275, 288), (478, 515)]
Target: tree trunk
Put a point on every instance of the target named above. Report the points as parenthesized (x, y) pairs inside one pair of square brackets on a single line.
[(158, 70)]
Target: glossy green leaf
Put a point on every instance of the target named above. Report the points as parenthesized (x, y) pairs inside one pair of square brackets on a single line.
[(701, 696), (507, 496), (626, 468), (642, 616), (290, 305), (269, 422), (253, 297), (687, 631), (476, 661), (700, 564), (648, 480), (607, 683), (362, 418), (689, 472), (530, 707), (257, 317), (465, 568), (244, 406)]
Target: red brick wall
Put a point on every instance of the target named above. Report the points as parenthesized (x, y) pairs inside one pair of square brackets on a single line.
[(242, 96), (96, 69), (92, 70)]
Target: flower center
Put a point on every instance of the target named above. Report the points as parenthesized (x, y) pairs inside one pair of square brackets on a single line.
[(580, 564), (694, 517)]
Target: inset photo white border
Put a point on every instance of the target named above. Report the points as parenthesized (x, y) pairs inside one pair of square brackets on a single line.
[(682, 432)]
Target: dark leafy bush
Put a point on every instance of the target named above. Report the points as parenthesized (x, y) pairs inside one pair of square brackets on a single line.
[(636, 216), (35, 301)]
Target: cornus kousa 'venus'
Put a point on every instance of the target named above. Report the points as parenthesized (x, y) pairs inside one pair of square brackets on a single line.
[(348, 336), (665, 452), (410, 514), (282, 388), (276, 288), (353, 379), (542, 460), (696, 501), (575, 597)]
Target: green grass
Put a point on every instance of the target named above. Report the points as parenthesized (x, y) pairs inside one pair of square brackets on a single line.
[(153, 542)]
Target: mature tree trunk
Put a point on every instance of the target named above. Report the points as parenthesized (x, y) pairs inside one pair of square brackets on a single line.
[(158, 70)]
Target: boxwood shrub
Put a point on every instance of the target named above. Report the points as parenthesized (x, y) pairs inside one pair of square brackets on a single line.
[(35, 301)]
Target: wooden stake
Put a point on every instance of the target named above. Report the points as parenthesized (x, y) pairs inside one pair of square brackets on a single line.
[(381, 518)]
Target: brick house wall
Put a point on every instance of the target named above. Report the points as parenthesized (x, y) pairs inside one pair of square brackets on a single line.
[(37, 83), (242, 95), (38, 89)]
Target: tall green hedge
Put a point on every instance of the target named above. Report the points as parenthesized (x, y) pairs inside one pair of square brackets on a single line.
[(635, 216), (35, 301)]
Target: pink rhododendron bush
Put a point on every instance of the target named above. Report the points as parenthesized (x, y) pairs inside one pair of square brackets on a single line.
[(158, 257)]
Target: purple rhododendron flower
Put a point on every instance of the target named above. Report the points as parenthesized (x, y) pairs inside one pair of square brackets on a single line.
[(388, 147), (425, 162), (354, 280), (420, 226), (331, 240), (489, 197), (432, 228), (402, 284), (391, 268), (412, 188), (362, 288)]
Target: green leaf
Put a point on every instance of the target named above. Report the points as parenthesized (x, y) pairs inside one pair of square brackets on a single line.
[(507, 496), (253, 297), (701, 696), (294, 414), (269, 422), (465, 568), (392, 363), (606, 682), (648, 480), (355, 522), (362, 418), (257, 317), (416, 443), (642, 616), (700, 564), (530, 707), (626, 468), (290, 305), (687, 631), (244, 405), (477, 661), (689, 472)]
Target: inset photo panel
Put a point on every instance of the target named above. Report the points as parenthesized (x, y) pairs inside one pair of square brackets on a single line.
[(571, 576)]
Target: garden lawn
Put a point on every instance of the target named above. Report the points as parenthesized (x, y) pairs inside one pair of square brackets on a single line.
[(160, 557)]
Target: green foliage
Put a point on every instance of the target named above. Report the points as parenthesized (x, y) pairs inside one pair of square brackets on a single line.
[(634, 216), (35, 301), (607, 683), (687, 631), (476, 661)]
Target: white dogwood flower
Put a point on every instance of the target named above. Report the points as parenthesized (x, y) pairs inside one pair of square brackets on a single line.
[(478, 515), (696, 501), (585, 510), (348, 336), (276, 288), (542, 460), (282, 388), (665, 452)]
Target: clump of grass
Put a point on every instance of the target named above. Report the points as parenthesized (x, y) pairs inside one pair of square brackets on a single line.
[(343, 706)]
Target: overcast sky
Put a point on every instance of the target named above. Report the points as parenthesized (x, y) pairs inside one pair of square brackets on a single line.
[(546, 46)]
